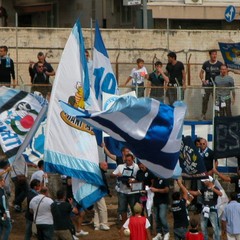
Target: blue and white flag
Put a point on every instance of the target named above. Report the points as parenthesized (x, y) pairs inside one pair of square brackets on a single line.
[(191, 161), (70, 145), (103, 77), (231, 54), (152, 130), (18, 113)]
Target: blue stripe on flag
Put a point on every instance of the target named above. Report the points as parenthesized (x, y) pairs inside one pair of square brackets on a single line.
[(98, 43)]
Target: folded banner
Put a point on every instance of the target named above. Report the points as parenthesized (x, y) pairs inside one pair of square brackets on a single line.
[(18, 112), (231, 54), (70, 145), (191, 161), (152, 130), (103, 76), (226, 137)]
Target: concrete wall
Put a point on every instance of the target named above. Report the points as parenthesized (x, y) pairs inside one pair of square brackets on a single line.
[(129, 44)]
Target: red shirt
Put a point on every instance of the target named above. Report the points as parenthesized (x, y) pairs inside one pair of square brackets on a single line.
[(137, 227), (194, 236)]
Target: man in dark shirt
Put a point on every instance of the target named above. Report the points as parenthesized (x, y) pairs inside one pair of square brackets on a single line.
[(157, 79), (61, 211), (208, 156), (6, 67), (210, 195), (35, 187), (180, 214), (177, 77), (211, 68), (160, 201)]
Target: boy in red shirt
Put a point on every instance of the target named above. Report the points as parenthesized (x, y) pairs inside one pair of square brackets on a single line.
[(138, 225), (193, 233)]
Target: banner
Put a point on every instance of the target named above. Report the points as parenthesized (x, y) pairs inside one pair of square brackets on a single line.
[(226, 137), (70, 145), (190, 160), (152, 130), (231, 54), (18, 113)]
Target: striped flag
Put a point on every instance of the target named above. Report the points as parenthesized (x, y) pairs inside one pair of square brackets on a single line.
[(70, 145), (18, 113), (103, 76), (152, 130)]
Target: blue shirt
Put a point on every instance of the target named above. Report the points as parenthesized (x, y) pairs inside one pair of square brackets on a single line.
[(231, 215)]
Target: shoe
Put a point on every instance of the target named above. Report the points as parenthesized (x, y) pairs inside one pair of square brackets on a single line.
[(104, 227), (158, 237), (85, 223), (96, 228), (81, 233), (166, 236), (75, 238)]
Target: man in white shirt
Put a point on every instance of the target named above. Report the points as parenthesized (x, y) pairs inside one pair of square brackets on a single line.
[(40, 174), (126, 174), (41, 208)]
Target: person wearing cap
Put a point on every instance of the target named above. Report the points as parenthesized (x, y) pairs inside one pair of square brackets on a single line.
[(231, 179), (210, 194), (137, 224)]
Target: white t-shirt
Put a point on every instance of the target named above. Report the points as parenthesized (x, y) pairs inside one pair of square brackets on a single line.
[(19, 167), (147, 224), (44, 215), (121, 168), (138, 75), (37, 175)]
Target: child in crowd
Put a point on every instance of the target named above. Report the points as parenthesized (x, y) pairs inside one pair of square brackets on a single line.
[(137, 224), (193, 233)]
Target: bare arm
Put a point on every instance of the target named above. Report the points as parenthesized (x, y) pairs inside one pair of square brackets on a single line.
[(225, 178), (128, 80), (183, 189), (112, 156), (149, 237)]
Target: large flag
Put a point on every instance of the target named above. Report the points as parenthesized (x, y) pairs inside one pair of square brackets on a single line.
[(18, 113), (152, 130), (226, 137), (70, 145), (103, 77), (231, 53), (191, 161)]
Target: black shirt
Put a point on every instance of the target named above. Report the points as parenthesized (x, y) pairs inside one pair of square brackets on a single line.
[(209, 197), (160, 198), (208, 158), (145, 177), (157, 81), (211, 70), (175, 72), (61, 215), (180, 214), (30, 195), (6, 70)]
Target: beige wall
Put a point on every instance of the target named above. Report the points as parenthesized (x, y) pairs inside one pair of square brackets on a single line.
[(130, 44)]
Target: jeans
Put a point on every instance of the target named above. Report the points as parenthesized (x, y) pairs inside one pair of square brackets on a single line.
[(205, 100), (161, 218), (28, 230), (179, 233), (213, 217), (45, 231), (124, 200), (175, 94), (5, 229)]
